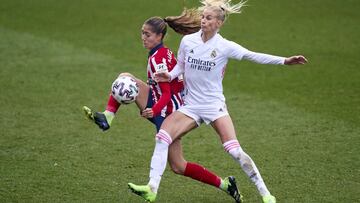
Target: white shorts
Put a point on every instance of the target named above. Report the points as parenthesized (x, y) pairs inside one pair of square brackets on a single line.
[(204, 113)]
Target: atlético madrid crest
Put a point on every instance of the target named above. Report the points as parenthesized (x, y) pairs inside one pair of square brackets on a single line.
[(213, 54)]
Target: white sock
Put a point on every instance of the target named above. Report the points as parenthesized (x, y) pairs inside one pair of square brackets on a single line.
[(159, 159), (247, 164)]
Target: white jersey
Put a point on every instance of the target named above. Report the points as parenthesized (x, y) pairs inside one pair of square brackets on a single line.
[(204, 64)]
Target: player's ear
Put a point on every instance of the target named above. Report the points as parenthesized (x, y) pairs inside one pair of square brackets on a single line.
[(159, 37), (220, 23)]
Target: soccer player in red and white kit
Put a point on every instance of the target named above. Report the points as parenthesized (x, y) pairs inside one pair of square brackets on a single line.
[(157, 100), (202, 58)]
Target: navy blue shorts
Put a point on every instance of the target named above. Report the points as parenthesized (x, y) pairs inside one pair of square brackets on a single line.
[(157, 120)]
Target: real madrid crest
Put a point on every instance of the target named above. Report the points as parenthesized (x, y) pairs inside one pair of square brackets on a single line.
[(213, 54)]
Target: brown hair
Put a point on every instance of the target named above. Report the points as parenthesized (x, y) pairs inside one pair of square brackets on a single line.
[(187, 23), (158, 25), (190, 19)]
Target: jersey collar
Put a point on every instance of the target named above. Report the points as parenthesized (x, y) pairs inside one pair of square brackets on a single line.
[(153, 50), (199, 33)]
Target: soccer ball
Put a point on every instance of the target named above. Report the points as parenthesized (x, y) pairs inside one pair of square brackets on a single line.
[(124, 89)]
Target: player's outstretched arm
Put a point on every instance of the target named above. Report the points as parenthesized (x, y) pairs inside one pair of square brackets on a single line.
[(293, 60)]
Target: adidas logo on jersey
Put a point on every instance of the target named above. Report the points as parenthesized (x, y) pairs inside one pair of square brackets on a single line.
[(191, 51)]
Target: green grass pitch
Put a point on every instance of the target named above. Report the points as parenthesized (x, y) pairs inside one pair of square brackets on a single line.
[(300, 124)]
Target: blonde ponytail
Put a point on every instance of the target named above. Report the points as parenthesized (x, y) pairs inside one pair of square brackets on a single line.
[(190, 19), (224, 7), (187, 23)]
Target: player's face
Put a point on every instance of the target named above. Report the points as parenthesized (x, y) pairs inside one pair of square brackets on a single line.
[(149, 38), (209, 21)]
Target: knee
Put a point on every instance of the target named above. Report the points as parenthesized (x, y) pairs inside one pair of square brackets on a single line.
[(178, 167), (138, 81), (126, 74)]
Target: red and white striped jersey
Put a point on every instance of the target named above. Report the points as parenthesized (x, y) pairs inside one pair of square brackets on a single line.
[(167, 95)]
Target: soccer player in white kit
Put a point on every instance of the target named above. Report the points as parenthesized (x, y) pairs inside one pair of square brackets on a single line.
[(202, 58)]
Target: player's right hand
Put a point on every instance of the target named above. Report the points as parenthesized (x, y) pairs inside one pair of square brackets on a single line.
[(147, 113)]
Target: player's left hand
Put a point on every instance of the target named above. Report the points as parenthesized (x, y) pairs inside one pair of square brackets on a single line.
[(147, 113), (293, 60)]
